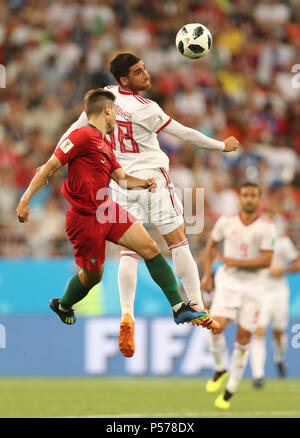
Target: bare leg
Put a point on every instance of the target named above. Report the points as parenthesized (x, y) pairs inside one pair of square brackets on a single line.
[(138, 239)]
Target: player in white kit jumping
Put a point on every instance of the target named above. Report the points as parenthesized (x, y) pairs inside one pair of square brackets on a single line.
[(275, 310), (135, 143), (248, 244)]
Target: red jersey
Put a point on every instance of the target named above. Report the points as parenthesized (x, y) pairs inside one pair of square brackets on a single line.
[(91, 163)]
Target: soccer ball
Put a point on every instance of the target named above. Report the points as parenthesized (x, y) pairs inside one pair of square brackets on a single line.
[(193, 40)]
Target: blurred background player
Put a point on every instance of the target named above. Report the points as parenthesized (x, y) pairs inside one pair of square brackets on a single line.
[(248, 244), (136, 146), (275, 309), (92, 219)]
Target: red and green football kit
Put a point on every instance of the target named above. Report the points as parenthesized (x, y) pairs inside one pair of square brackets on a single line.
[(93, 216)]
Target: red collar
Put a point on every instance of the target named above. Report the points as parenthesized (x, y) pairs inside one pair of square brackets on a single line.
[(248, 223), (127, 92)]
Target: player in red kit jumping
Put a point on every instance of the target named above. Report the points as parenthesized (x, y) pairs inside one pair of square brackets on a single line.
[(94, 217)]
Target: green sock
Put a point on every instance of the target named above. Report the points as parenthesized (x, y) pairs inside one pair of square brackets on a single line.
[(164, 277), (75, 292)]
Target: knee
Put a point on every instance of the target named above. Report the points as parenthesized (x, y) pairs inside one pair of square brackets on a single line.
[(217, 331), (90, 279), (260, 332), (278, 335), (150, 250), (243, 337), (222, 325)]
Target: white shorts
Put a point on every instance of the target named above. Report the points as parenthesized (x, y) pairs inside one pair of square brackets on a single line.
[(161, 207), (275, 310), (243, 307)]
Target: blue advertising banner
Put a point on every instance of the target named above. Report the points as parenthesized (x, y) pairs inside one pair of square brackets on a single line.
[(40, 345), (27, 285), (33, 342)]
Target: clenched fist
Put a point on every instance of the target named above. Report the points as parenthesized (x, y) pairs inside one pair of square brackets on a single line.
[(150, 184), (207, 283), (23, 211), (231, 144)]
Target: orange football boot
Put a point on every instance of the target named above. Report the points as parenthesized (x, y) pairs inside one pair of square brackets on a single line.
[(206, 321), (126, 338)]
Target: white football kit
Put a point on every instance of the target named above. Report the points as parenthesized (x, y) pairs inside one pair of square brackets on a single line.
[(275, 308), (238, 291), (135, 143)]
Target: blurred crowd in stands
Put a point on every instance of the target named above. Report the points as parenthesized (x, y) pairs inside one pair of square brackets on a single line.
[(54, 51)]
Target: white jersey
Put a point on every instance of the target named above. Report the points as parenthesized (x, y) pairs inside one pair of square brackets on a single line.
[(134, 140), (243, 242), (284, 254)]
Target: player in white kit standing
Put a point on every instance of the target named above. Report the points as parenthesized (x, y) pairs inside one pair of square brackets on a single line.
[(136, 147), (248, 244), (275, 310)]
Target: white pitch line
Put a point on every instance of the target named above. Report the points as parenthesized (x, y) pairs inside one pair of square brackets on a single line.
[(193, 414)]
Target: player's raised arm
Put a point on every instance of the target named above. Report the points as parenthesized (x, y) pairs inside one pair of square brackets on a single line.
[(199, 140), (38, 181), (129, 182)]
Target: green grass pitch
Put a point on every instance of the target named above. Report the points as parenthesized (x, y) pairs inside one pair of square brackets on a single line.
[(142, 397)]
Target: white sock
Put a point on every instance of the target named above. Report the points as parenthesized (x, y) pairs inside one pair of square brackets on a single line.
[(239, 359), (127, 279), (62, 309), (258, 356), (187, 271), (217, 344), (280, 348), (177, 306)]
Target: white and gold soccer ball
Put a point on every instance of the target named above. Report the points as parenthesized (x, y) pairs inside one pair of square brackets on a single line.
[(193, 40)]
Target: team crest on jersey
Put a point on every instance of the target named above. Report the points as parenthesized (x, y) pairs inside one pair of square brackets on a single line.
[(93, 260), (66, 145)]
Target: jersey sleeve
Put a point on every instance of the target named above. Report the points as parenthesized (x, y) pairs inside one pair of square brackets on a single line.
[(192, 136), (269, 237), (152, 117), (69, 148), (115, 164), (290, 251), (217, 233), (80, 122)]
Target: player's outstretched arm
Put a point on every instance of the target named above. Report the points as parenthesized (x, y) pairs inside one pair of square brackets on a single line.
[(129, 182), (199, 140), (39, 180), (294, 267), (263, 261), (207, 280), (278, 271)]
